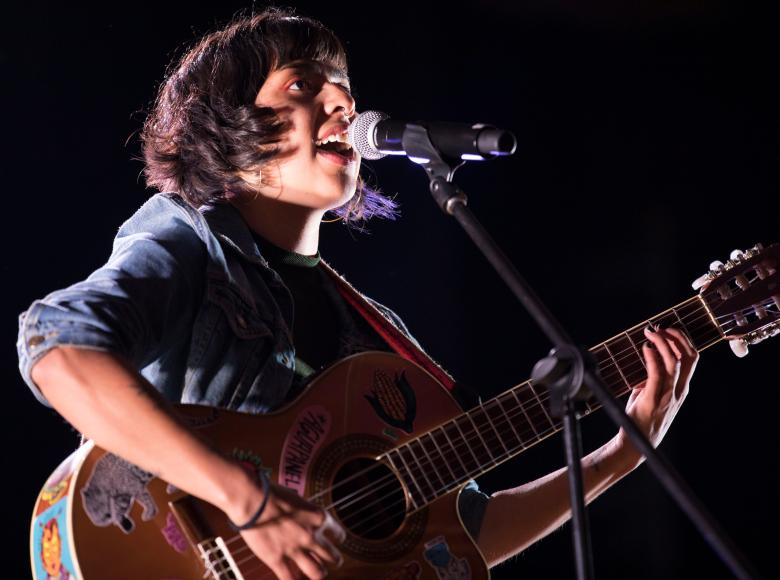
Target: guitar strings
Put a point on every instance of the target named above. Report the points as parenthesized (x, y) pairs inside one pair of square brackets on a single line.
[(495, 459), (606, 364), (463, 478), (354, 526), (468, 441), (618, 355), (490, 437), (401, 512), (251, 557), (609, 365), (430, 463), (633, 351)]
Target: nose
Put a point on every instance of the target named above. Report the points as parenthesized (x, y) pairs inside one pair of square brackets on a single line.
[(338, 99)]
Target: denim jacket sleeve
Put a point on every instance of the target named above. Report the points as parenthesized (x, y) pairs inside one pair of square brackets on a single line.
[(140, 300)]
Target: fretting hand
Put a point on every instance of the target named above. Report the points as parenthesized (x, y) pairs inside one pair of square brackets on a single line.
[(670, 360)]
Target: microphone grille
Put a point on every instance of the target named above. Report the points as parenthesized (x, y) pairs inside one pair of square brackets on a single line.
[(361, 134)]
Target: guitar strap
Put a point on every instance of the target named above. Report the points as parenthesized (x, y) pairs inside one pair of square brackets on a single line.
[(393, 335)]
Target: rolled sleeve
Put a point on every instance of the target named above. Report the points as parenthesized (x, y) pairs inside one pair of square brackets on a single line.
[(138, 302)]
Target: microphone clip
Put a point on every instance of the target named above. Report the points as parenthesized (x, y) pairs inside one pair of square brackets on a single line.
[(440, 168)]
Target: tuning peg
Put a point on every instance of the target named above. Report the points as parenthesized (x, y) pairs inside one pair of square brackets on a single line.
[(739, 347), (715, 269), (701, 281), (736, 255)]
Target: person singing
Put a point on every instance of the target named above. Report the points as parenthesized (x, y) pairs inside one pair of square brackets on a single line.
[(215, 294)]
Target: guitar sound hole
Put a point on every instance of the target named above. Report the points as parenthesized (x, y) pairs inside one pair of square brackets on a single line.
[(368, 499)]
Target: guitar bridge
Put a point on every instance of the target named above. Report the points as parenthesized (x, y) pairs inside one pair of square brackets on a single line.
[(218, 560)]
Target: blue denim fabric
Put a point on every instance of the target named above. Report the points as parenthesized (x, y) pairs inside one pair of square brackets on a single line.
[(187, 298)]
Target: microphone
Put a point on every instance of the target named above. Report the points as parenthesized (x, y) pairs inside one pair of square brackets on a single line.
[(374, 135)]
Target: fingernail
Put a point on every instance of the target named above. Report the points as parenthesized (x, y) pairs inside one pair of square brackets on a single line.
[(649, 329)]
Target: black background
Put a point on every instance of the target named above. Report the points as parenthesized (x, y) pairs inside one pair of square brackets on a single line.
[(648, 147)]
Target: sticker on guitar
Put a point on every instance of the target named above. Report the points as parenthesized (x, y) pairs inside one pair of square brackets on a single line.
[(111, 490), (51, 549), (307, 433), (173, 535), (448, 567), (393, 400)]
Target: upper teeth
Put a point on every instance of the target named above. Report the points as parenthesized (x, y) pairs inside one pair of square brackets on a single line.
[(330, 139)]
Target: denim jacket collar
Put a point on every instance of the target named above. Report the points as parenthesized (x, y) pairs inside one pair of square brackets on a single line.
[(227, 224)]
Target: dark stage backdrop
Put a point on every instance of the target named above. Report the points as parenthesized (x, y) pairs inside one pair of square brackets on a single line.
[(648, 146)]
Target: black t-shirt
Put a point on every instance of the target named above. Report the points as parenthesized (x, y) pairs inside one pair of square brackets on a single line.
[(325, 328)]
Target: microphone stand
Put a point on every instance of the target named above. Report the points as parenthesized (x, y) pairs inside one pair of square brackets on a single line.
[(568, 372)]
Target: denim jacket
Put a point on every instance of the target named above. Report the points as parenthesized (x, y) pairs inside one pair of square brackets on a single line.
[(187, 299)]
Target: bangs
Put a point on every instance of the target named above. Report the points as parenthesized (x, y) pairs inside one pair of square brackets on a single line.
[(293, 38)]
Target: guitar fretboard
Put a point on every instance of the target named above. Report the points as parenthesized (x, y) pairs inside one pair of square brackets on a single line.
[(444, 458)]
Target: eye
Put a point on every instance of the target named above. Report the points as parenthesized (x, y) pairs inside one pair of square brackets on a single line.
[(300, 85)]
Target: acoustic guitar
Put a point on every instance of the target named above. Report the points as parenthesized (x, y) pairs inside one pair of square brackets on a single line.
[(376, 441)]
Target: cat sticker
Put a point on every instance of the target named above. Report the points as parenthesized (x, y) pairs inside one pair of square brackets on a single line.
[(111, 490)]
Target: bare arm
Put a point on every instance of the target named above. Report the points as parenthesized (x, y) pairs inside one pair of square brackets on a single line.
[(112, 404), (516, 518)]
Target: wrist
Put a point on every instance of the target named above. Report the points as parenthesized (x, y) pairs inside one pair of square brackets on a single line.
[(255, 517), (240, 495), (626, 455)]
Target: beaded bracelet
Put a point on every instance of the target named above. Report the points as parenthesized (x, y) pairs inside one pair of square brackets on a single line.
[(253, 520)]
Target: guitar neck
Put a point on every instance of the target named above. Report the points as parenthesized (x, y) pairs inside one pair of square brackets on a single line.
[(474, 442)]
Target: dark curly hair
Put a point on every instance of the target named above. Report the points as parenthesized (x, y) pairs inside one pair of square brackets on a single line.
[(205, 130)]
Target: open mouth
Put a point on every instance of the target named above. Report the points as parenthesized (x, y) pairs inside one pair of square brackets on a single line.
[(336, 150)]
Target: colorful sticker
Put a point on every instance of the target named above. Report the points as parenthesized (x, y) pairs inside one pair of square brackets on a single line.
[(448, 567), (251, 462), (111, 490), (410, 571), (173, 534), (58, 483), (393, 400), (54, 493), (303, 439), (51, 549)]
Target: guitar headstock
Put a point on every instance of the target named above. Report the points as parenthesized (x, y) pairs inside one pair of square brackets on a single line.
[(743, 295)]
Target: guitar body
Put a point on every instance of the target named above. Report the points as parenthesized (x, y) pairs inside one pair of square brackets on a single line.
[(101, 517)]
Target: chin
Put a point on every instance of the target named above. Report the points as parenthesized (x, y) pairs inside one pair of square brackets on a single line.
[(340, 195), (327, 200)]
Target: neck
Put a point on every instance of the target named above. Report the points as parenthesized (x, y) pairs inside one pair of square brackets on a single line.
[(444, 458), (290, 227)]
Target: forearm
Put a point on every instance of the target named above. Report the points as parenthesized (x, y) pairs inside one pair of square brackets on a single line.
[(112, 404), (516, 518)]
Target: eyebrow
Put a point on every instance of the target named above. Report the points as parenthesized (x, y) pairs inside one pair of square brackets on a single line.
[(332, 73)]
